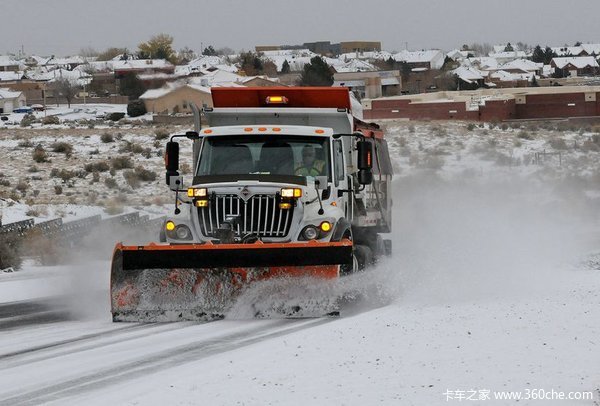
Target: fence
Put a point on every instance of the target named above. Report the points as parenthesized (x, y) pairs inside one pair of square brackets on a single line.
[(60, 233)]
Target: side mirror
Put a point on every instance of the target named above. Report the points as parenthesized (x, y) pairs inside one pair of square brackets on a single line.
[(365, 176), (321, 182), (172, 160), (365, 155)]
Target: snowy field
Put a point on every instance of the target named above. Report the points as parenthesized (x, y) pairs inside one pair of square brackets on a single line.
[(493, 288)]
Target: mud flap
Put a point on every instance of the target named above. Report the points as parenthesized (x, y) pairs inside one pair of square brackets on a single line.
[(202, 281)]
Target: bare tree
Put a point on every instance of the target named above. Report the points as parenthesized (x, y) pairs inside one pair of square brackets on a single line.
[(481, 49), (88, 52), (67, 89)]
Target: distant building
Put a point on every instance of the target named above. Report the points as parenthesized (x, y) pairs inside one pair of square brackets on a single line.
[(326, 47), (8, 64), (10, 100), (176, 98), (323, 48), (575, 66), (263, 48), (370, 84), (360, 46), (430, 59), (138, 66)]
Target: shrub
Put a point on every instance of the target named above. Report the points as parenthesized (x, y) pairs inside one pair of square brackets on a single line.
[(558, 143), (136, 108), (524, 135), (65, 175), (33, 169), (51, 120), (110, 183), (184, 168), (470, 126), (113, 208), (39, 154), (101, 166), (58, 189), (115, 116), (131, 147), (4, 182), (22, 186), (63, 147), (27, 120), (589, 145), (132, 179), (161, 134), (121, 162), (25, 144), (145, 174), (106, 138), (10, 251)]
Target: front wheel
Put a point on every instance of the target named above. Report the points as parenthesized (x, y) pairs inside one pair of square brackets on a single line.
[(364, 256)]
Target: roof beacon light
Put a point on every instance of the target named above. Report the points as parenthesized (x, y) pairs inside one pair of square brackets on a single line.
[(277, 100)]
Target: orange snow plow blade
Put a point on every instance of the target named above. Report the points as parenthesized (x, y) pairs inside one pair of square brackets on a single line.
[(202, 281)]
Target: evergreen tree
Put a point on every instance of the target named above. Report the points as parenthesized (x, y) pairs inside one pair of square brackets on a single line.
[(538, 55), (251, 64), (316, 73), (209, 51), (132, 86), (549, 54), (509, 48), (285, 67)]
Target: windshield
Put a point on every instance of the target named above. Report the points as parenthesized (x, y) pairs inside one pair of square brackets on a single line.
[(265, 155)]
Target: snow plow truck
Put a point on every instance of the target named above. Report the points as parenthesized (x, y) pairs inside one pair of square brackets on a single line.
[(287, 183)]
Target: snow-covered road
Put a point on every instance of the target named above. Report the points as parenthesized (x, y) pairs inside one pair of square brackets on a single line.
[(409, 352)]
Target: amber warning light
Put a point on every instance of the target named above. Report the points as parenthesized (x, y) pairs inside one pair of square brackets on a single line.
[(277, 100)]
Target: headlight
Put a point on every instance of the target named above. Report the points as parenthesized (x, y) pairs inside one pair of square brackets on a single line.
[(183, 232), (325, 226), (200, 192), (291, 192), (310, 232)]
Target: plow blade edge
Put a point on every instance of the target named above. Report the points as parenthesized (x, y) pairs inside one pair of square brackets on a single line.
[(202, 281)]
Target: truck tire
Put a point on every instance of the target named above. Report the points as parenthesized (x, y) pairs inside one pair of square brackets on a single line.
[(349, 269), (364, 256)]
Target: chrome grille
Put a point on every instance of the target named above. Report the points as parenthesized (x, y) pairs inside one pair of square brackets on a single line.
[(260, 215)]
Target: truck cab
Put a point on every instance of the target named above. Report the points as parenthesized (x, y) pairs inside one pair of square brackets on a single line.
[(280, 165)]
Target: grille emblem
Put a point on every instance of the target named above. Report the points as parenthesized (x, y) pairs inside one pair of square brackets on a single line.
[(245, 193)]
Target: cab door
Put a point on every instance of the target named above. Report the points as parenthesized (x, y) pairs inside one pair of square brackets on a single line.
[(340, 180)]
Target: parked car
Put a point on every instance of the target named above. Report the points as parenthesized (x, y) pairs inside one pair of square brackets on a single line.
[(37, 107), (23, 109)]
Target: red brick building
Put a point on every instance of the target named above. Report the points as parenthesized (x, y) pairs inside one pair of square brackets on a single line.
[(489, 105)]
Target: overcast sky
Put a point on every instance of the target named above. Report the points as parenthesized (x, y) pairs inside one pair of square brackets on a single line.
[(63, 27)]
